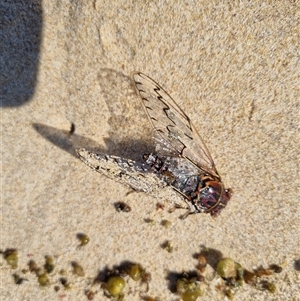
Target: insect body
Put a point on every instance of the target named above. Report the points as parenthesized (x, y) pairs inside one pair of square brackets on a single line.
[(181, 161)]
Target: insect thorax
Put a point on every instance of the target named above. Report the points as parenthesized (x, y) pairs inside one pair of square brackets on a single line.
[(176, 172)]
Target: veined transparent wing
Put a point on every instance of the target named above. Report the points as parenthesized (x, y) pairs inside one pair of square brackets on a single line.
[(175, 135)]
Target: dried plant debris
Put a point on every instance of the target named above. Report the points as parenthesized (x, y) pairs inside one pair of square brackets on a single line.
[(202, 263), (113, 281), (265, 285), (276, 268), (188, 287), (146, 278), (122, 207), (160, 206), (65, 283), (43, 279), (83, 239), (166, 223), (77, 269), (212, 270), (257, 277), (234, 275), (135, 272), (231, 271), (33, 267), (63, 272), (90, 294), (167, 245), (229, 275), (11, 257), (148, 298), (18, 279), (115, 286), (150, 221), (49, 264)]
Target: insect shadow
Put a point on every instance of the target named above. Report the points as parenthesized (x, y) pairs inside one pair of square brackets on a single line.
[(69, 141)]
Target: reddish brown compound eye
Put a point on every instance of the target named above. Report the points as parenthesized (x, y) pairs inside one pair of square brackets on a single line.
[(225, 197), (213, 198), (210, 196)]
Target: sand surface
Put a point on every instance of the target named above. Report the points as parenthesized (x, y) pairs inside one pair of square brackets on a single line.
[(232, 67)]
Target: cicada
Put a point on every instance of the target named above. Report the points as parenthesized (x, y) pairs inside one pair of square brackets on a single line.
[(181, 160)]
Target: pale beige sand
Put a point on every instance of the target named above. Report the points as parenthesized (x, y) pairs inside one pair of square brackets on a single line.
[(234, 69)]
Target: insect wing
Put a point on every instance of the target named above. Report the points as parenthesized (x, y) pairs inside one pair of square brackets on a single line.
[(125, 171), (175, 135)]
